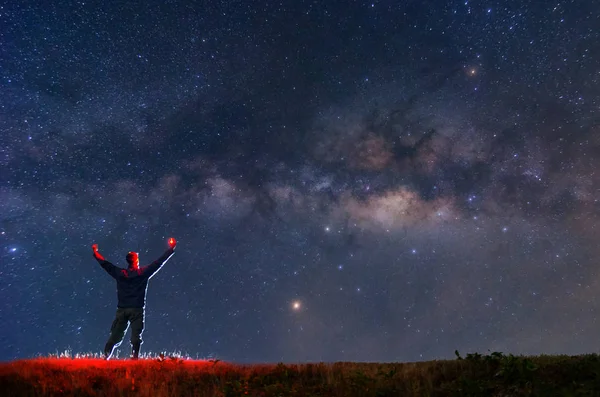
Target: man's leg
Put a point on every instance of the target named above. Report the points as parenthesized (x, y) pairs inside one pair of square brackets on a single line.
[(117, 332), (137, 327)]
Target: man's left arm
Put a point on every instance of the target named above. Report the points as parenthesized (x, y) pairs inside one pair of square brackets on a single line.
[(157, 264)]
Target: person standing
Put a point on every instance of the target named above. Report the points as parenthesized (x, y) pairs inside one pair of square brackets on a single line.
[(132, 284)]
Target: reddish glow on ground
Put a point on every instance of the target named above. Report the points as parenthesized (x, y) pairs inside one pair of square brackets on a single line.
[(150, 377), (90, 363)]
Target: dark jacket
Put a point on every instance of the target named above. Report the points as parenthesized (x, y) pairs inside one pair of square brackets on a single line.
[(132, 284)]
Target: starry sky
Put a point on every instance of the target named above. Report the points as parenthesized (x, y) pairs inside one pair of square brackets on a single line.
[(347, 180)]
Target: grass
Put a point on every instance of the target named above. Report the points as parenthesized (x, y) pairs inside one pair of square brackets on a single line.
[(495, 374)]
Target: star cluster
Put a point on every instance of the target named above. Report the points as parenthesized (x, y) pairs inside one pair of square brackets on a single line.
[(367, 181)]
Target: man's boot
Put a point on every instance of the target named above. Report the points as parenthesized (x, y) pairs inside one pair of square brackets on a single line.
[(108, 351), (135, 350)]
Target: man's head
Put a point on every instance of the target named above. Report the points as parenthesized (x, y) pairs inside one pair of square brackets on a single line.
[(133, 259)]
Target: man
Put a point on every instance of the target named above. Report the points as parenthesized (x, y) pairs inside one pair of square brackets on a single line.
[(132, 284)]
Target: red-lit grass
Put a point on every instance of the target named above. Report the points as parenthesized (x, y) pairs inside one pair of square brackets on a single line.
[(474, 375), (169, 377), (95, 376)]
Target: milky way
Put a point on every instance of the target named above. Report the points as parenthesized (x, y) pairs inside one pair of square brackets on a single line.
[(347, 181)]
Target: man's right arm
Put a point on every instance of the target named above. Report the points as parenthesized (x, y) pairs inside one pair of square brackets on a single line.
[(106, 265), (157, 264)]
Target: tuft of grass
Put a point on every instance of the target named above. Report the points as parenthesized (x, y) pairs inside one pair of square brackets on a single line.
[(68, 353), (494, 374)]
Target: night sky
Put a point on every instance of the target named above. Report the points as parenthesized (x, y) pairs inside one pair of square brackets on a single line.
[(347, 180)]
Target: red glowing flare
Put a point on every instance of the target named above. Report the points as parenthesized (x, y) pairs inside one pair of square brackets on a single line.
[(172, 242)]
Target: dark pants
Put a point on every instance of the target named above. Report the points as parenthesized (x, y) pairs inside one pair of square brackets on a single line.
[(124, 317)]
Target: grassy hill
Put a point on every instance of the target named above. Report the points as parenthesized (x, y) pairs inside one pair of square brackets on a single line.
[(474, 375)]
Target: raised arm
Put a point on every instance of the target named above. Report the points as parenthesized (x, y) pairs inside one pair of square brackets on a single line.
[(106, 265), (157, 264)]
